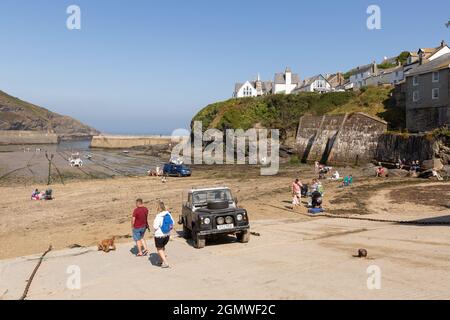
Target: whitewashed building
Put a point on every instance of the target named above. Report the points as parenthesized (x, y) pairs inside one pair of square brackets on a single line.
[(314, 84), (286, 82), (390, 76), (361, 73), (252, 88)]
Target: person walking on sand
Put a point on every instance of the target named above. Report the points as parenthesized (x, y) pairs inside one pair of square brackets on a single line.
[(139, 224), (316, 166), (162, 225)]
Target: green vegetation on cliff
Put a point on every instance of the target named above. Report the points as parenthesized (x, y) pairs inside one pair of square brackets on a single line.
[(284, 111), (16, 114)]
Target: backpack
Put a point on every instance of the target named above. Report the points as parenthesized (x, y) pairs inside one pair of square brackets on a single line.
[(167, 224)]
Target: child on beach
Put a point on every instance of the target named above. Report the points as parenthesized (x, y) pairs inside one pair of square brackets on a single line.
[(139, 225), (296, 193)]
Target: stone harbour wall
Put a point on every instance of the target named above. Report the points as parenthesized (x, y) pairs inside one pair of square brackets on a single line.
[(8, 137), (339, 139), (125, 142)]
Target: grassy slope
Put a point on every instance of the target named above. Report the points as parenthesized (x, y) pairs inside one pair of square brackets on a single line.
[(27, 111), (284, 111)]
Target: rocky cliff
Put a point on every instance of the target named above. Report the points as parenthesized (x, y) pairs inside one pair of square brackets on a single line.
[(16, 114)]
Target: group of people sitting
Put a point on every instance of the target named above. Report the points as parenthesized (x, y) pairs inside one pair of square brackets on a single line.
[(316, 193), (322, 170), (346, 181), (43, 195), (158, 172), (413, 165)]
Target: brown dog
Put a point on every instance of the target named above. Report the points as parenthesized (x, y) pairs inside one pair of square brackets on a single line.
[(107, 245)]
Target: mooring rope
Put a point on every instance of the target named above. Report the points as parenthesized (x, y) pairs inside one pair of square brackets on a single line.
[(333, 216), (30, 279)]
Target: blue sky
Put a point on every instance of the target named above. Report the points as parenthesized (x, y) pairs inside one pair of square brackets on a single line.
[(148, 66)]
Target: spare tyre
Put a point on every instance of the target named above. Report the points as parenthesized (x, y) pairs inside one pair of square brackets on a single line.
[(218, 205)]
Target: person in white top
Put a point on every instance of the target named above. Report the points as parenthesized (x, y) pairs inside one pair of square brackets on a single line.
[(335, 175), (162, 225)]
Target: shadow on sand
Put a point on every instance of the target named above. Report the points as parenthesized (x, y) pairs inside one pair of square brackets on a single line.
[(213, 240)]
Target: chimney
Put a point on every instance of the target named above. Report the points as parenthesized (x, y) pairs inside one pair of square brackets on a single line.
[(288, 75)]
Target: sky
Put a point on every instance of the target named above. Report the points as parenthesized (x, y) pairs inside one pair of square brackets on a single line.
[(147, 67)]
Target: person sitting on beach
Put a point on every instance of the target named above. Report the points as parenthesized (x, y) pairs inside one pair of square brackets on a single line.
[(35, 195), (379, 172), (316, 200), (417, 165), (162, 225), (139, 225), (348, 180), (304, 190), (320, 188), (314, 184), (335, 176)]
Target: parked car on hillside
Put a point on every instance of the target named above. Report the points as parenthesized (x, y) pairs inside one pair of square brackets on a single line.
[(213, 211), (178, 170)]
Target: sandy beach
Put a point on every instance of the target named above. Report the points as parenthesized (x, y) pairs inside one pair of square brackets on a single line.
[(293, 252)]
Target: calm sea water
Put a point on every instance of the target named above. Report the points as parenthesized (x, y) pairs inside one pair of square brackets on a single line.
[(78, 145)]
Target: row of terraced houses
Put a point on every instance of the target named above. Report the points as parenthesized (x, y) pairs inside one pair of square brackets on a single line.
[(422, 82)]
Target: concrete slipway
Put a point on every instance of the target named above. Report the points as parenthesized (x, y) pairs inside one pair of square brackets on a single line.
[(292, 259)]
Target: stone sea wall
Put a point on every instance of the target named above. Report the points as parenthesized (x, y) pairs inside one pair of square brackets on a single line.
[(8, 137), (125, 142), (339, 139)]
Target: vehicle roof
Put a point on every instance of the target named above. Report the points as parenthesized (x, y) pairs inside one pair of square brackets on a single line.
[(208, 189)]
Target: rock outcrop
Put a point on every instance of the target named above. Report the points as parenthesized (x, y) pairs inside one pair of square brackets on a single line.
[(16, 114)]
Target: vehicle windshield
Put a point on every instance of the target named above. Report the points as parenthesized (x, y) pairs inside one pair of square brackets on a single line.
[(203, 197)]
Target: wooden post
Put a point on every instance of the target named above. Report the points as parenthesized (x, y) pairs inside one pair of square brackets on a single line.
[(49, 180)]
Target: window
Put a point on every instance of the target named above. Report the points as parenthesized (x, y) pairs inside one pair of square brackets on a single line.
[(415, 81), (435, 93), (435, 76), (416, 96)]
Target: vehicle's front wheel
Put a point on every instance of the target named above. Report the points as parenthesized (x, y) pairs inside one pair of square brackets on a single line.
[(243, 236), (199, 241)]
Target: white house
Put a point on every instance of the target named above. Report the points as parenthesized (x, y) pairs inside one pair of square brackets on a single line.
[(361, 73), (252, 88), (314, 84), (243, 90), (439, 51), (286, 82), (425, 55)]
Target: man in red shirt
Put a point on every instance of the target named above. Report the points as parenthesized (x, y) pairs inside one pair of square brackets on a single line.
[(139, 224)]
